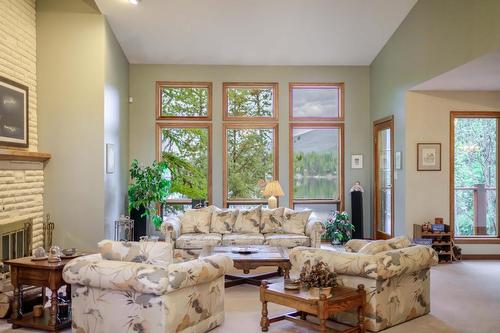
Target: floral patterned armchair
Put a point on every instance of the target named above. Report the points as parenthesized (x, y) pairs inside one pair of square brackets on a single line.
[(126, 289), (397, 281)]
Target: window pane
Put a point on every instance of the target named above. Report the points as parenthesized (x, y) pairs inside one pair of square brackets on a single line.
[(315, 163), (321, 211), (475, 175), (186, 152), (245, 206), (171, 208), (250, 102), (322, 102), (250, 161), (184, 101)]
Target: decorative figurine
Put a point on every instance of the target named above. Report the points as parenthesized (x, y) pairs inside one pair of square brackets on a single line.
[(54, 254)]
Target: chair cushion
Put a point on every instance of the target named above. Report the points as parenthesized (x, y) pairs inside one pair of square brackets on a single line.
[(223, 220), (272, 220), (196, 220), (155, 253), (242, 239), (377, 246), (197, 241), (295, 221), (286, 240), (248, 221)]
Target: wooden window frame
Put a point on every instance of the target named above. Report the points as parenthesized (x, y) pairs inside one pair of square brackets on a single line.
[(250, 85), (242, 201), (340, 201), (181, 84), (471, 114), (310, 85), (208, 126)]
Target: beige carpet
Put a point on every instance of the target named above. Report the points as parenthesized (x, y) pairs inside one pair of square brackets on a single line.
[(465, 298)]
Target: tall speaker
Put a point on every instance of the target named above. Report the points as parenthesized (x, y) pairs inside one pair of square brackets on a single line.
[(357, 210)]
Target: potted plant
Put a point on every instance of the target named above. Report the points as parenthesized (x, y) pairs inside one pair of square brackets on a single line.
[(338, 227), (318, 279), (150, 186)]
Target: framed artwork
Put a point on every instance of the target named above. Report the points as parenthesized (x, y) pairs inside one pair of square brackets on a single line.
[(428, 157), (13, 113), (356, 161), (397, 161)]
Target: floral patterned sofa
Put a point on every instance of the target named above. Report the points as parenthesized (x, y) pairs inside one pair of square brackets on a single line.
[(136, 287), (211, 226), (396, 276)]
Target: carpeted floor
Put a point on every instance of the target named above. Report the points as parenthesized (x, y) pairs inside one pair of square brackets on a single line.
[(465, 298)]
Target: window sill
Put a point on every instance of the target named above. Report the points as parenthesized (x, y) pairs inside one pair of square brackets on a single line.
[(477, 240)]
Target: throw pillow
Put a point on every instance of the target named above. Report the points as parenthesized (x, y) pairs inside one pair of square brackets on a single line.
[(248, 220), (375, 247), (196, 221), (154, 253), (223, 220), (295, 221), (272, 220)]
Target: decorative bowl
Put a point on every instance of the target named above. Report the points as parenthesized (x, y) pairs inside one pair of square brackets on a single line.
[(69, 252), (292, 284)]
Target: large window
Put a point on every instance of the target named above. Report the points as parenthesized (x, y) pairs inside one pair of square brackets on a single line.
[(184, 100), (474, 181), (250, 101)]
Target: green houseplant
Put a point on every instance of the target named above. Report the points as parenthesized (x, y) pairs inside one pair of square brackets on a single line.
[(150, 185), (338, 227)]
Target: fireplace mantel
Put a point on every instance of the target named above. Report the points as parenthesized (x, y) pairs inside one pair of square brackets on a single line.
[(23, 155)]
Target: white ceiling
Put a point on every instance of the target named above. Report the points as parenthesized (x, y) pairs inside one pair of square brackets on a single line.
[(482, 73), (254, 32)]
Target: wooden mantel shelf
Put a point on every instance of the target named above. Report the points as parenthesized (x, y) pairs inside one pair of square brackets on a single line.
[(23, 155)]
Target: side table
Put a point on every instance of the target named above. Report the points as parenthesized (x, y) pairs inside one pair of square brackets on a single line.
[(24, 271), (343, 299)]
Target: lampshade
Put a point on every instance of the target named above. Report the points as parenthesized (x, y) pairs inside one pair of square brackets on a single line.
[(273, 188)]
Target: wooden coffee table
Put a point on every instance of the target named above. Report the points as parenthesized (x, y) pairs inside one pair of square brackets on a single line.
[(267, 256), (343, 299)]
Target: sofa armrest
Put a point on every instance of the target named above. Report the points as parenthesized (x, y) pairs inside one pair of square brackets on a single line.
[(314, 229), (194, 272), (354, 245), (381, 266), (171, 227), (93, 271)]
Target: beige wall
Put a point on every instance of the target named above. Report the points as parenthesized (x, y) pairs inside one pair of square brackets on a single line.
[(82, 80), (428, 120), (435, 37), (142, 112)]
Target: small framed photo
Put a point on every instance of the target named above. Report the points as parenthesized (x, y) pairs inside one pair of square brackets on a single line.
[(428, 157), (357, 161), (397, 161)]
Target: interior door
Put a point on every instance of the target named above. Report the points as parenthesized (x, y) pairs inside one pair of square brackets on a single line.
[(383, 131)]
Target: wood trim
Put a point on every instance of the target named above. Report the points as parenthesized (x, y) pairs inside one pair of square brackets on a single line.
[(274, 87), (208, 126), (311, 85), (227, 126), (23, 155), (180, 84), (469, 114), (480, 256), (341, 189), (440, 154), (384, 123)]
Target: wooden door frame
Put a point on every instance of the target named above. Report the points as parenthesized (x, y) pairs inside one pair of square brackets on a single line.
[(376, 123)]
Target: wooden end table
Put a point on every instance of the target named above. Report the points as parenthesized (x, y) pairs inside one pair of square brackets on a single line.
[(343, 299), (269, 256), (25, 271)]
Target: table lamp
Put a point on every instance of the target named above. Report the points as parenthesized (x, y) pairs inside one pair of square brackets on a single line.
[(272, 190)]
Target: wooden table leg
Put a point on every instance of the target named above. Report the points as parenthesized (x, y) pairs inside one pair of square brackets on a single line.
[(53, 307), (287, 272), (322, 313), (264, 320), (361, 309)]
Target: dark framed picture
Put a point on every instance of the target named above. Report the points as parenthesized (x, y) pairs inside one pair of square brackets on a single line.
[(428, 157), (13, 113)]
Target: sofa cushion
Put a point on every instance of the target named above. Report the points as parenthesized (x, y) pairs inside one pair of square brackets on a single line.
[(196, 220), (286, 240), (155, 253), (197, 241), (272, 220), (377, 246), (242, 239), (223, 220), (295, 221), (248, 221)]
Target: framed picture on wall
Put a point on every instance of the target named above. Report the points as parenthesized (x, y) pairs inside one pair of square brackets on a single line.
[(13, 113), (357, 161), (428, 157)]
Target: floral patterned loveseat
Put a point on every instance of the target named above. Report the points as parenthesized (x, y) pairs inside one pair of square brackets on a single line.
[(212, 226), (396, 279), (136, 287)]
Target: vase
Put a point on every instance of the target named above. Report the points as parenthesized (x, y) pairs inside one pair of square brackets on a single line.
[(315, 293)]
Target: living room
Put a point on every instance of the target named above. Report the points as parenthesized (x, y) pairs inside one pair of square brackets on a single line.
[(272, 119)]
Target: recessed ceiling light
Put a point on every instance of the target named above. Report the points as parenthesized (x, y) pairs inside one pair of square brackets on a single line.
[(134, 2)]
